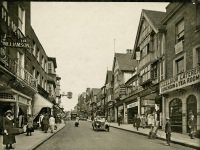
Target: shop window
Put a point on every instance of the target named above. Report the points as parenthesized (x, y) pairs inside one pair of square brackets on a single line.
[(180, 31), (175, 113), (191, 108), (21, 19), (179, 65)]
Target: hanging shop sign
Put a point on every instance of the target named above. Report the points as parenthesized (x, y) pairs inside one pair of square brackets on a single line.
[(182, 80), (132, 105)]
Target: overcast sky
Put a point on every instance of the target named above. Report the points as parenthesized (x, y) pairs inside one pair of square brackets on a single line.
[(81, 37)]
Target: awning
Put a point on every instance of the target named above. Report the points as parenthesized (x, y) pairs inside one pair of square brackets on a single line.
[(39, 102)]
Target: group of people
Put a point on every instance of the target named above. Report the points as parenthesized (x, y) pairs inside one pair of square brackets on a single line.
[(10, 130), (45, 122)]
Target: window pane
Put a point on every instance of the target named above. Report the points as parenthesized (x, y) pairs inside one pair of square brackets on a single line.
[(180, 65)]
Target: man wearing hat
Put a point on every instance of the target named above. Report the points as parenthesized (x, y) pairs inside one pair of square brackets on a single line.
[(168, 131), (8, 137)]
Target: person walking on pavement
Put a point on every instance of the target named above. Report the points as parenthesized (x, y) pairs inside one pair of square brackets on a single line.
[(29, 129), (119, 119), (52, 123), (134, 120), (45, 122), (138, 121), (8, 124), (191, 124), (40, 122), (143, 121), (168, 131)]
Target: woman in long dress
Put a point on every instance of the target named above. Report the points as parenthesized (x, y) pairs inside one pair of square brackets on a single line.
[(8, 124)]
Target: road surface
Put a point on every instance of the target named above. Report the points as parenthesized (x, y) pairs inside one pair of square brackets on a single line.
[(84, 138)]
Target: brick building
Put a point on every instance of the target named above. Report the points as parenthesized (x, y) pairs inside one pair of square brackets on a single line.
[(180, 90)]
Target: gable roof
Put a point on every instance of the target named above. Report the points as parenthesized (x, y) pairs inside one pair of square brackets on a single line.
[(108, 76), (95, 91), (125, 62), (155, 17)]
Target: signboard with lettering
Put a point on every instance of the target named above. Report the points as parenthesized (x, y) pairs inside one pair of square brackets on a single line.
[(132, 105), (17, 44), (181, 80)]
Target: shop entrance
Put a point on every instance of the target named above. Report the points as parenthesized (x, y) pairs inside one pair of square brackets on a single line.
[(175, 113), (131, 112), (191, 108)]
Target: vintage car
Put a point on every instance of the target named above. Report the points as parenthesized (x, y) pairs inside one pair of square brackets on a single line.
[(100, 123)]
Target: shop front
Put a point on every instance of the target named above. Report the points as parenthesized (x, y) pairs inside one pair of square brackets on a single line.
[(120, 110), (132, 110), (181, 99), (41, 105), (111, 112)]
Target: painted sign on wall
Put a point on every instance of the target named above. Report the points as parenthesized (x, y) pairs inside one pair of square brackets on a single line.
[(181, 80)]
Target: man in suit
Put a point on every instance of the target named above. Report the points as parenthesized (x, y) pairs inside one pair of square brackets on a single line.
[(168, 131)]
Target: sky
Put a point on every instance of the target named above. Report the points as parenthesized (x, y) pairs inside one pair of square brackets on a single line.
[(81, 37)]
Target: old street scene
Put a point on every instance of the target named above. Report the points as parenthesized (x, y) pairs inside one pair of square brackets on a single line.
[(99, 75)]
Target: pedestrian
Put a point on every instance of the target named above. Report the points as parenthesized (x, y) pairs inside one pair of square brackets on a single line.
[(138, 121), (168, 131), (143, 121), (40, 122), (45, 122), (52, 123), (8, 137), (191, 125), (151, 124), (119, 119), (29, 126), (134, 120)]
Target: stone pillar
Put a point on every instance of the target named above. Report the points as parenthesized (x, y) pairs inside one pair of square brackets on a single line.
[(125, 113), (139, 109), (164, 112), (184, 116), (198, 111), (116, 113), (16, 106)]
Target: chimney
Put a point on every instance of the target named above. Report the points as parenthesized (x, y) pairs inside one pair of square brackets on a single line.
[(129, 51)]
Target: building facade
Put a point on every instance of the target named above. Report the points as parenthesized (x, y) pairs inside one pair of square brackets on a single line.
[(123, 67), (18, 85), (180, 90)]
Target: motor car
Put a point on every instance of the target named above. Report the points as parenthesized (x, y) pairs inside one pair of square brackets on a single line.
[(100, 123)]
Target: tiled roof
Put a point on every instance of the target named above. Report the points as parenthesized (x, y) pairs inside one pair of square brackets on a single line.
[(155, 17), (125, 62), (109, 74), (95, 91)]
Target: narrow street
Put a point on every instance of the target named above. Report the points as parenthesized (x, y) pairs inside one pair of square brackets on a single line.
[(84, 138)]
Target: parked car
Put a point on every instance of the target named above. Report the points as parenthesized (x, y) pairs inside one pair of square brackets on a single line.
[(100, 123)]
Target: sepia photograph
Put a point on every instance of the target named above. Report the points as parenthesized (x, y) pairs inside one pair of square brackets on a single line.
[(100, 75)]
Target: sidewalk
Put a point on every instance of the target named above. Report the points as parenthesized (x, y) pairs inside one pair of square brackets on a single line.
[(176, 137), (24, 142)]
